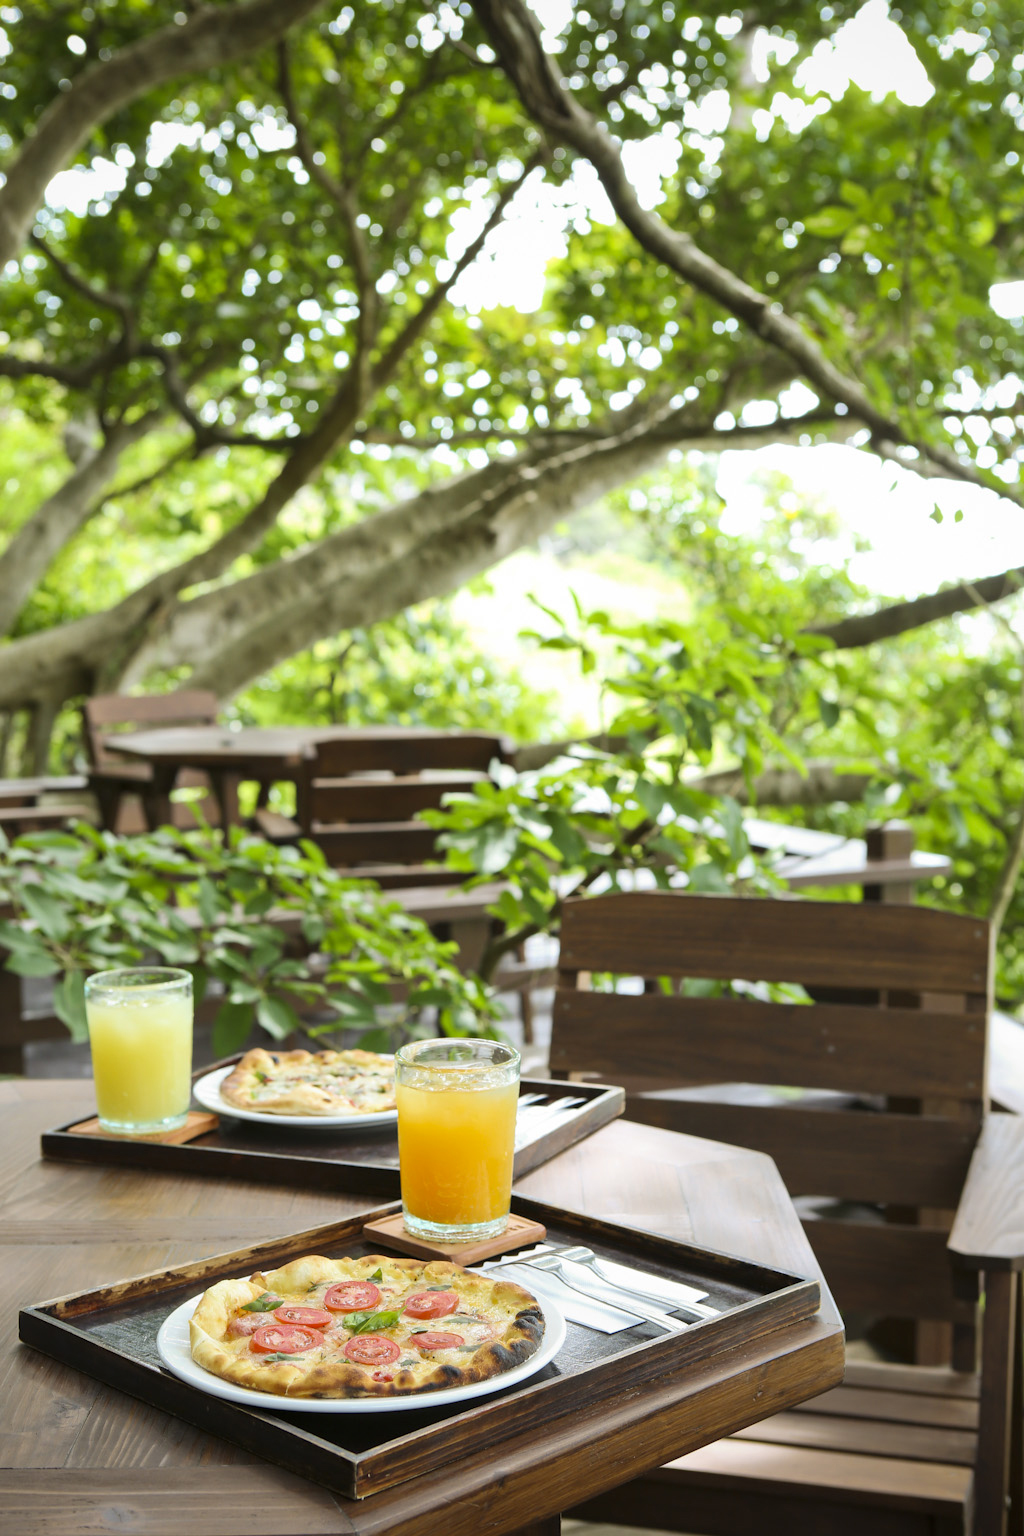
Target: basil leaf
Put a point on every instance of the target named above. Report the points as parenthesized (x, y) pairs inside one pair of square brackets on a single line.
[(369, 1322), (377, 1275), (263, 1303), (273, 1359)]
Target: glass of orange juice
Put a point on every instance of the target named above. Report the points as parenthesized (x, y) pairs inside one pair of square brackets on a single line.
[(457, 1102), (140, 1037)]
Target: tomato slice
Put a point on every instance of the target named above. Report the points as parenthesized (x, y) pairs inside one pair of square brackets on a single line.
[(431, 1303), (305, 1317), (371, 1349), (352, 1296), (283, 1339), (246, 1323), (437, 1340)]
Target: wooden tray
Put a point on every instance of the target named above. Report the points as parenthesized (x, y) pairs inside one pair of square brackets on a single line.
[(110, 1334), (365, 1161)]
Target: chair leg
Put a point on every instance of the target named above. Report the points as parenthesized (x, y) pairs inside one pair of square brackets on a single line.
[(1016, 1516), (999, 1352)]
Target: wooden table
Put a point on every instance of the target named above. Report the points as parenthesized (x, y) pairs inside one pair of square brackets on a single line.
[(265, 753), (80, 1459)]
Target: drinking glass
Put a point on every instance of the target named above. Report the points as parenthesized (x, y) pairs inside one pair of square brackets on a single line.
[(457, 1103), (140, 1036)]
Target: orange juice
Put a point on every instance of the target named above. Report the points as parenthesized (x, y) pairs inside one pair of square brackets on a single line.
[(455, 1144), (457, 1102), (141, 1044)]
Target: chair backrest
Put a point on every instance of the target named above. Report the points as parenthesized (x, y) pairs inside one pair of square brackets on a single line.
[(360, 795), (106, 714), (894, 1059)]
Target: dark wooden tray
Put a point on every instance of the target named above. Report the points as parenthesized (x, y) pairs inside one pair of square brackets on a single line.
[(111, 1334), (366, 1161)]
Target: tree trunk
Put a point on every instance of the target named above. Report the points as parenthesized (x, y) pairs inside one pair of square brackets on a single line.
[(55, 522)]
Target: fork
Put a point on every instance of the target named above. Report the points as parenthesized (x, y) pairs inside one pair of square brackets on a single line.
[(552, 1263), (586, 1256)]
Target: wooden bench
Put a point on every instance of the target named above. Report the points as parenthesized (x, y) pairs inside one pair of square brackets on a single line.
[(894, 1131)]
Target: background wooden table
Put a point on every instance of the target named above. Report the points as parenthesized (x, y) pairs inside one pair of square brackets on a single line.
[(79, 1459)]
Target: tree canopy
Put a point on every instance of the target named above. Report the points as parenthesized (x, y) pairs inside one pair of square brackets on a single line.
[(252, 411), (235, 350)]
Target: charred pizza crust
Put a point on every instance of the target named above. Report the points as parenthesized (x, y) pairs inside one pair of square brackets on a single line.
[(312, 1082), (500, 1323)]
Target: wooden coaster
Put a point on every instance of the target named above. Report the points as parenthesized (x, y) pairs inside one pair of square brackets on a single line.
[(198, 1123), (518, 1234)]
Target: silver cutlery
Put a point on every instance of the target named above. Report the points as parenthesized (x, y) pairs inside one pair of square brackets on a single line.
[(635, 1281), (552, 1264)]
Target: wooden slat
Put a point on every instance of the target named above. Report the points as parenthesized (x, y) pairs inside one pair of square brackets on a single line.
[(33, 818), (901, 1051), (930, 1381), (931, 1410), (387, 842), (887, 1271), (104, 711), (398, 799), (850, 1155), (761, 1470), (653, 933), (913, 1442), (407, 753)]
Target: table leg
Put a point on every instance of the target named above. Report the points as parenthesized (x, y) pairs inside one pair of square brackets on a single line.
[(225, 787), (156, 797)]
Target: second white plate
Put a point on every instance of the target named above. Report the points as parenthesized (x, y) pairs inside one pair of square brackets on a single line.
[(175, 1351), (207, 1092)]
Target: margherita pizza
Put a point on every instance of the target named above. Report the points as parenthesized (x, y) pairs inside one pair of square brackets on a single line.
[(312, 1083), (369, 1327)]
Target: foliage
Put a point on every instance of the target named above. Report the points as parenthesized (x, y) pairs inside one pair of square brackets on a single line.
[(230, 254), (244, 917), (420, 668), (678, 695)]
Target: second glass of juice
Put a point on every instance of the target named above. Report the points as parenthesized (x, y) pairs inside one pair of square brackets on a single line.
[(457, 1102), (140, 1039)]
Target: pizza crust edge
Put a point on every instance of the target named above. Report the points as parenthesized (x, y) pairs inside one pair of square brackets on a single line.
[(342, 1378)]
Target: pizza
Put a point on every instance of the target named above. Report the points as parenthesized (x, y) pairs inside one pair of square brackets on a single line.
[(364, 1327), (312, 1083)]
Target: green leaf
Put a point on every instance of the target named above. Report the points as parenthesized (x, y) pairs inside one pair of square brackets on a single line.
[(369, 1322), (209, 906), (828, 710), (50, 915), (69, 1004), (277, 1017), (33, 962), (231, 1025), (264, 1302)]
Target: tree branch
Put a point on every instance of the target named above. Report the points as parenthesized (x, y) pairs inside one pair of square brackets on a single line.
[(515, 36), (212, 35), (898, 618)]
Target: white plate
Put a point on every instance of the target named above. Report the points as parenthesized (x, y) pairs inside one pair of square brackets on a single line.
[(207, 1091), (175, 1351)]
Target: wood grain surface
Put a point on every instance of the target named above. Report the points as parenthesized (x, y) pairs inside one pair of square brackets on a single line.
[(827, 943), (989, 1231), (79, 1457)]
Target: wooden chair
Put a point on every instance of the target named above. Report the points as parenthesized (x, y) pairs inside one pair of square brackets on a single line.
[(894, 1119), (359, 799), (120, 785)]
